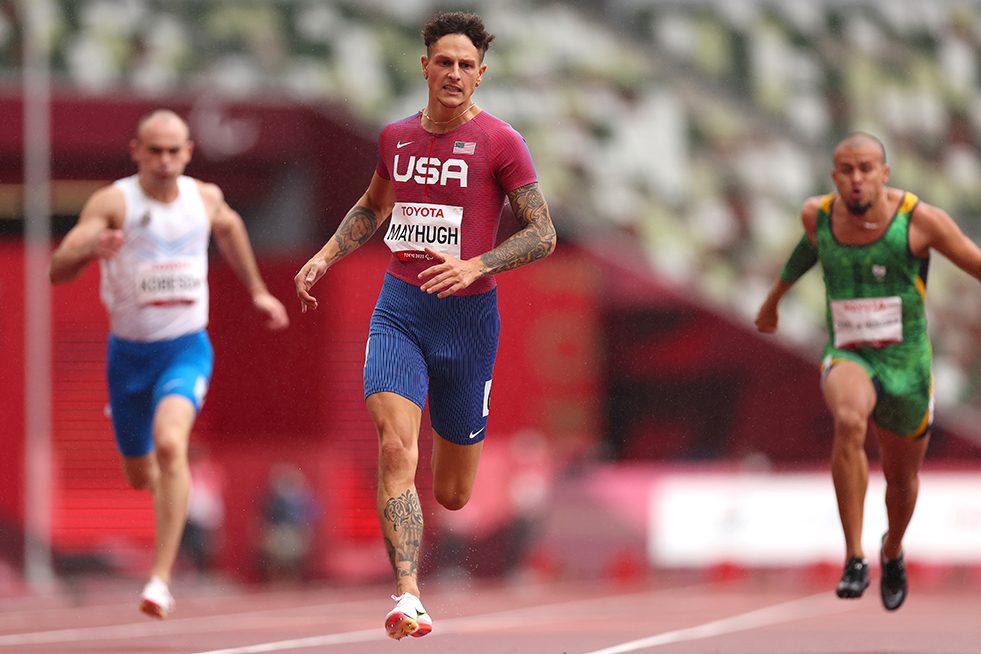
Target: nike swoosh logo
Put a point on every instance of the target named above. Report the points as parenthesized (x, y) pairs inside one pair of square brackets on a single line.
[(400, 144), (473, 434)]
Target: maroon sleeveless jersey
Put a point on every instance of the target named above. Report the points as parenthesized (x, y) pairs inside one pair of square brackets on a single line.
[(449, 190)]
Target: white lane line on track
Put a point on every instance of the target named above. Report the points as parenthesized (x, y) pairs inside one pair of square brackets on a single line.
[(446, 625), (178, 626), (299, 643), (799, 609), (203, 624), (783, 612), (221, 622), (525, 615)]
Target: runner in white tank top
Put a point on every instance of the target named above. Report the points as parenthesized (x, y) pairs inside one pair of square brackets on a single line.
[(150, 233), (156, 287)]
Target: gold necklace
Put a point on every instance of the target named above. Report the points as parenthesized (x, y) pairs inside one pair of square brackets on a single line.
[(425, 114)]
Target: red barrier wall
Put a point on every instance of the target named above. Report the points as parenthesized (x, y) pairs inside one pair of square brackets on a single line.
[(292, 398), (11, 382)]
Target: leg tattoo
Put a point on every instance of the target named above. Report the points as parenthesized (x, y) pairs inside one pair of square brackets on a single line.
[(404, 514)]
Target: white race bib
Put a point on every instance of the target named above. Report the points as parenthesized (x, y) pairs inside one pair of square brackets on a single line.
[(170, 281), (415, 226), (867, 322)]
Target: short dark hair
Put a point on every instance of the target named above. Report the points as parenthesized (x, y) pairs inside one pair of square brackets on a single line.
[(457, 22)]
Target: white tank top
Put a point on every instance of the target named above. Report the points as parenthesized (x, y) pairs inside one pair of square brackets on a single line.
[(156, 287)]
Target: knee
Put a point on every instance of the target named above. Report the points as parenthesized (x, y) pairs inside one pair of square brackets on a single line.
[(850, 427), (172, 425), (395, 459), (170, 449), (139, 482), (140, 476), (901, 480), (452, 498)]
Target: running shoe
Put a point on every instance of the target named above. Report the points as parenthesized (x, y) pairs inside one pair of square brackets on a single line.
[(854, 578), (156, 600), (408, 618), (892, 586)]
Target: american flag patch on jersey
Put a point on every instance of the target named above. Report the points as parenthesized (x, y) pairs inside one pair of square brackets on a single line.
[(463, 147)]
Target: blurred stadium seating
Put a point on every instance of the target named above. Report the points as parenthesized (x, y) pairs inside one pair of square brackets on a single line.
[(697, 127)]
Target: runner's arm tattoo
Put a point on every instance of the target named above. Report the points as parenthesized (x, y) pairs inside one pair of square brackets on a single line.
[(354, 231), (404, 515), (535, 239)]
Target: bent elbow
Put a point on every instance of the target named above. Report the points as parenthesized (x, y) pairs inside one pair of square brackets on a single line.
[(60, 272), (550, 242)]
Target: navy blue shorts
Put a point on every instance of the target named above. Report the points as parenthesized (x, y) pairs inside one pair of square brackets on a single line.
[(419, 344), (141, 374)]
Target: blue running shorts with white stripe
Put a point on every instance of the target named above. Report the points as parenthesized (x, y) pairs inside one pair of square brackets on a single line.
[(419, 345), (141, 374)]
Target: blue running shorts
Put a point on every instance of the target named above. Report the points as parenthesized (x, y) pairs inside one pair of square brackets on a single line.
[(141, 374), (419, 344)]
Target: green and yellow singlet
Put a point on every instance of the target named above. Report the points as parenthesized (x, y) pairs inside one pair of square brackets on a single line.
[(875, 307)]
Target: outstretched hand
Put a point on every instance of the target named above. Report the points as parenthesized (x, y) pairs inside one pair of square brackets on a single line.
[(309, 274), (273, 309), (450, 275)]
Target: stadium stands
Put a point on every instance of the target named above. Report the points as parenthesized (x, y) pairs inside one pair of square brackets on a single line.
[(697, 127)]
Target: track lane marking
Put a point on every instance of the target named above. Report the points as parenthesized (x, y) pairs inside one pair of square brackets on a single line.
[(799, 609), (197, 625), (782, 613)]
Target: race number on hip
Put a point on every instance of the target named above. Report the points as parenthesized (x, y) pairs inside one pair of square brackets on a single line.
[(415, 226), (867, 322)]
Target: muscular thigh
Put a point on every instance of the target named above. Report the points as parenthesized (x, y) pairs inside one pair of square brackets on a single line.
[(848, 384), (904, 383)]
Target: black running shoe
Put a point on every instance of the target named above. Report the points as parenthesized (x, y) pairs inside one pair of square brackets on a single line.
[(854, 579), (892, 586)]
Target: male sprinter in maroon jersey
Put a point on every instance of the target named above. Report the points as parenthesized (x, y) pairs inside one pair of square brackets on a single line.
[(441, 180)]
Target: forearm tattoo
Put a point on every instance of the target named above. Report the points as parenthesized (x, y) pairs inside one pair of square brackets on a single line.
[(535, 239), (404, 515), (354, 231)]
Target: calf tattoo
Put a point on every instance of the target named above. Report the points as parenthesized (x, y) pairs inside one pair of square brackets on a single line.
[(404, 514)]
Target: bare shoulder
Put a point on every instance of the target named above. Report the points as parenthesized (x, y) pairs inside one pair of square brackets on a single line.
[(809, 212), (107, 204), (211, 194), (930, 224), (928, 215), (932, 227)]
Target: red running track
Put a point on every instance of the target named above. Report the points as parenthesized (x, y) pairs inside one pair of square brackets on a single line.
[(665, 614)]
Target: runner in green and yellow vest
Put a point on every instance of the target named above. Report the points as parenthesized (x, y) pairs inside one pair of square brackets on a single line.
[(876, 317), (873, 243)]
